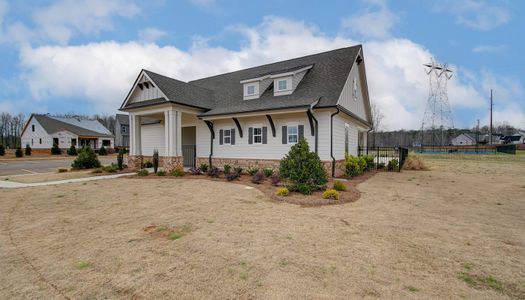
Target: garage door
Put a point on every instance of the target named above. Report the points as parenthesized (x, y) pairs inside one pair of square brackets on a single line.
[(152, 137)]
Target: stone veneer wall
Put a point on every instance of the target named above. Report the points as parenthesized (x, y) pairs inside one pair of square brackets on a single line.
[(135, 161), (267, 163), (168, 163)]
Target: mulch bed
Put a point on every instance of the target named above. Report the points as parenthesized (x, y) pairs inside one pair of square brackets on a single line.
[(351, 194)]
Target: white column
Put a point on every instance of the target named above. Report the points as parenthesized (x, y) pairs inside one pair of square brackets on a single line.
[(137, 143), (171, 141), (178, 133), (167, 133), (131, 133)]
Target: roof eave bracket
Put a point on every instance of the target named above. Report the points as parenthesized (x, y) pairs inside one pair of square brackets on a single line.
[(239, 128), (272, 125)]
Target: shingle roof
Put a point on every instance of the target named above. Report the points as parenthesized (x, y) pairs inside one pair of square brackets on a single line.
[(223, 94), (82, 128)]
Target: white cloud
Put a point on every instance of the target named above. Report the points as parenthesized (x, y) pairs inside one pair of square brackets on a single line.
[(65, 18), (377, 22), (478, 15), (489, 49), (151, 35), (103, 72)]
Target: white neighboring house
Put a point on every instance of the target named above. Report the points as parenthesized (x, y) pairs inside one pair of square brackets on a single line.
[(42, 131), (464, 139), (253, 116)]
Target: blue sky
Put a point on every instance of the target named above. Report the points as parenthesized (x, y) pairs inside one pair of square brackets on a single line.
[(83, 56)]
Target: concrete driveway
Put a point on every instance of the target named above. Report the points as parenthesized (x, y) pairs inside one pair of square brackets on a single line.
[(23, 167)]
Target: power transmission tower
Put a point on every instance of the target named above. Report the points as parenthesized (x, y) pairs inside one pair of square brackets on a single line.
[(437, 119)]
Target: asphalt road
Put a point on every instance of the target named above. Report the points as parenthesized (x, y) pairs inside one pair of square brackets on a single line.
[(19, 167)]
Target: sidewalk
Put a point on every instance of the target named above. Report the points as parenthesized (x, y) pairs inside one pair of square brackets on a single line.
[(5, 184)]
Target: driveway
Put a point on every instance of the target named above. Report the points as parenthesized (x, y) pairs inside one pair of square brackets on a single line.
[(19, 167)]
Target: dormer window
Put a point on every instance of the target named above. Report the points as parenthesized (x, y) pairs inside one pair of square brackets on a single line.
[(250, 89), (281, 85)]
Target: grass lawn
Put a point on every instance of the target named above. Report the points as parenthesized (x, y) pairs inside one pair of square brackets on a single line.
[(456, 231)]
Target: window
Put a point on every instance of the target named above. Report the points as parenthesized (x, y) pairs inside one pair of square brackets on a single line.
[(106, 143), (354, 92), (33, 128), (282, 85), (31, 142), (40, 141), (292, 135), (227, 138), (74, 142), (257, 135), (55, 141), (124, 129), (250, 90)]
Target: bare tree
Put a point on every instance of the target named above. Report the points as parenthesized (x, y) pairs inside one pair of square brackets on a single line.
[(377, 120)]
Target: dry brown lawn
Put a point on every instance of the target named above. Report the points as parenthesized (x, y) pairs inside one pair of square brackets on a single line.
[(456, 231)]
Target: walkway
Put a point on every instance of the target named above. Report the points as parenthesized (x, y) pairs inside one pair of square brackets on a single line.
[(6, 184)]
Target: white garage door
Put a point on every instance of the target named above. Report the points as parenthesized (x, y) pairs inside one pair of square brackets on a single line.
[(152, 137)]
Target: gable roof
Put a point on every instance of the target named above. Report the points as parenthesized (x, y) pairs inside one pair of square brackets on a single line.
[(223, 94), (80, 127)]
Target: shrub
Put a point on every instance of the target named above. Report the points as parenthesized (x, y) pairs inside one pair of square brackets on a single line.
[(268, 172), (196, 171), (238, 170), (258, 177), (179, 172), (415, 162), (142, 172), (227, 169), (161, 173), (369, 159), (28, 150), (102, 151), (339, 186), (362, 163), (72, 151), (155, 161), (110, 169), (232, 176), (86, 159), (275, 179), (55, 150), (252, 170), (393, 164), (381, 165), (331, 194), (2, 150), (204, 168), (147, 164), (214, 172), (62, 170), (283, 192), (303, 168), (18, 152), (120, 159), (352, 166), (97, 171)]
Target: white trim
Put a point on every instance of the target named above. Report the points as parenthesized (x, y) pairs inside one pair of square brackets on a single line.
[(260, 135), (254, 114), (137, 81), (288, 126), (277, 75), (229, 136)]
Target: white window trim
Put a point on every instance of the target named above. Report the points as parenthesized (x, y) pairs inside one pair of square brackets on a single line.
[(288, 126), (261, 135), (224, 136)]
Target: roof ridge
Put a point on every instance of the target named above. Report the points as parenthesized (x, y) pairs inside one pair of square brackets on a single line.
[(171, 78)]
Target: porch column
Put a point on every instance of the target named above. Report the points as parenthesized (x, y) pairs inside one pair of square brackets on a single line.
[(171, 141), (135, 143), (167, 133), (172, 136), (178, 133)]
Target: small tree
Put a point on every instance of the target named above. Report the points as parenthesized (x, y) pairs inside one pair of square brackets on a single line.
[(86, 159), (303, 168), (28, 150), (102, 151), (18, 152), (120, 159), (2, 150), (55, 150), (155, 161), (72, 151)]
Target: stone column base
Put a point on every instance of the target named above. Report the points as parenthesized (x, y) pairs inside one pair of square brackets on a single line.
[(170, 163), (339, 167), (135, 162)]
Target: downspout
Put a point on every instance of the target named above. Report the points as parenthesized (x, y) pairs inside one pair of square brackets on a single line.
[(332, 139), (316, 123)]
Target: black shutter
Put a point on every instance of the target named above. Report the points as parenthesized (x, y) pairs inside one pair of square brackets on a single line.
[(220, 136), (265, 135), (301, 132), (250, 135), (285, 135), (232, 136)]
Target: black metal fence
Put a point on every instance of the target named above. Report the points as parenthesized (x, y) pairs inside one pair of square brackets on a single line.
[(188, 155), (473, 149), (388, 158)]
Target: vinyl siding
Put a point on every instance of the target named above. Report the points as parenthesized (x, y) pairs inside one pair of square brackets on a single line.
[(40, 133), (152, 137), (144, 94), (339, 136), (347, 98)]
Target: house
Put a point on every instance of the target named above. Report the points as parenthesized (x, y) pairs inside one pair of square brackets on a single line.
[(512, 139), (122, 130), (253, 116), (42, 131), (464, 139)]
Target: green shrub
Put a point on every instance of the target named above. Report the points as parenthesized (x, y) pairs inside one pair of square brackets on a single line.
[(353, 166), (72, 151), (28, 150), (2, 150), (203, 168), (331, 194), (227, 169), (381, 165), (362, 163), (55, 150), (147, 164), (102, 151), (179, 172), (252, 170), (303, 168), (393, 165), (120, 159), (155, 161), (238, 170), (97, 171), (19, 152), (283, 192), (86, 159), (161, 173), (142, 172), (268, 172), (369, 159), (339, 186), (110, 168)]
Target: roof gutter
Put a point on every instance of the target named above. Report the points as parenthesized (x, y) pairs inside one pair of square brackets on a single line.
[(332, 139)]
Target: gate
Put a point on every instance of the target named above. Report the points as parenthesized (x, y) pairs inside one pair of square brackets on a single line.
[(383, 155), (188, 155)]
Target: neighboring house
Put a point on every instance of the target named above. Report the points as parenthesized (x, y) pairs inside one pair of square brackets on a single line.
[(253, 116), (42, 131), (512, 139), (464, 139), (122, 131)]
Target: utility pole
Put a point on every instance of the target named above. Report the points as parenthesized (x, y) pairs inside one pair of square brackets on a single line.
[(477, 133), (490, 131)]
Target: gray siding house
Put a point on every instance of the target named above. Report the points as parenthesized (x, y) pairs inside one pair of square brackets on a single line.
[(122, 130)]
